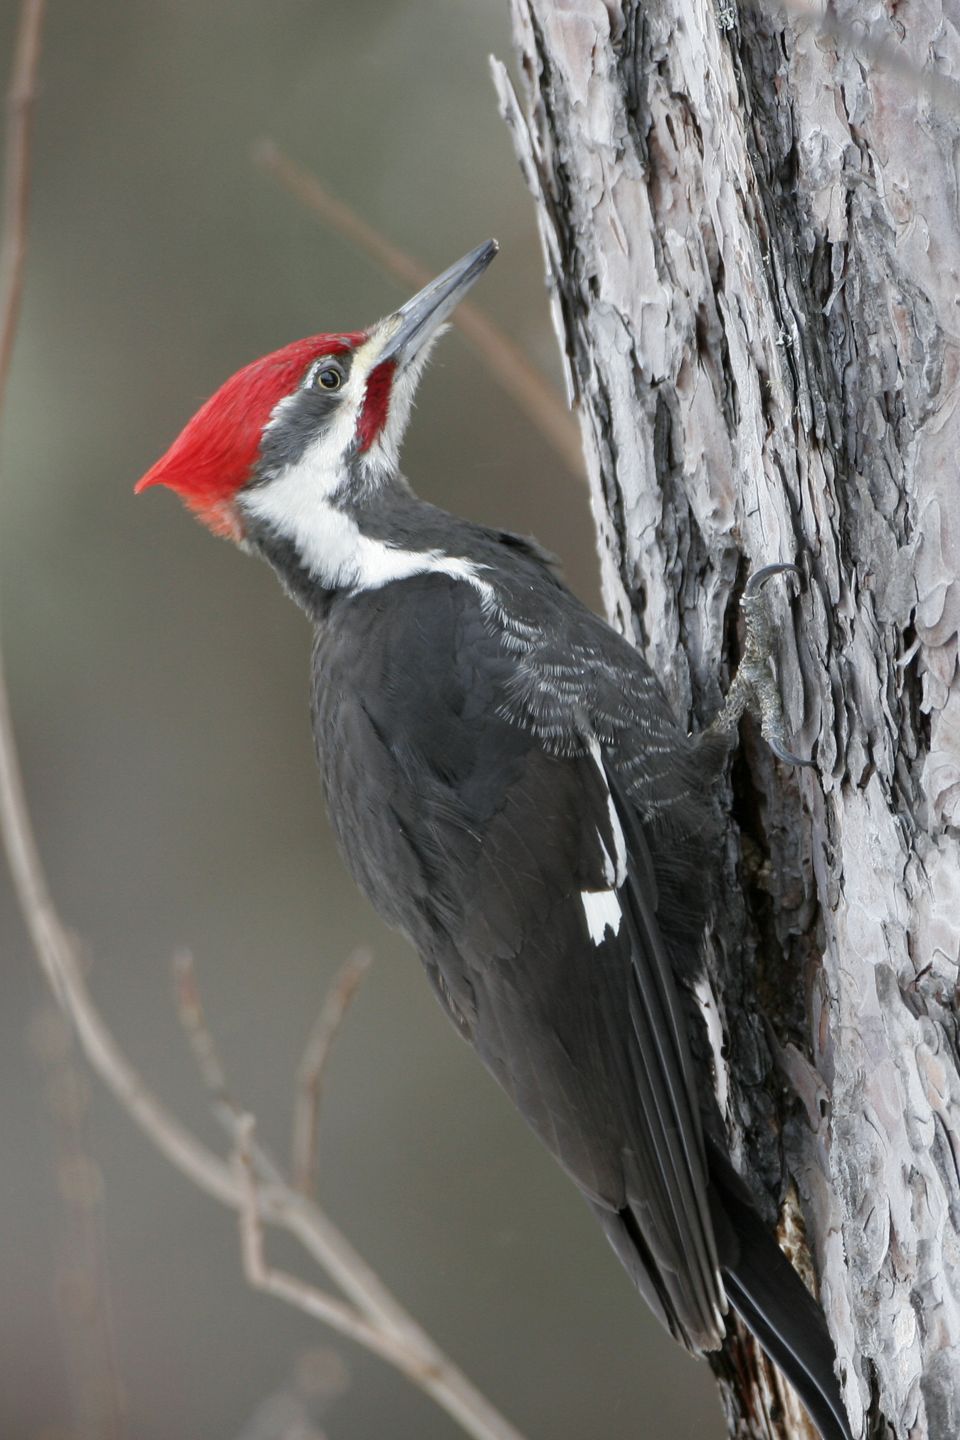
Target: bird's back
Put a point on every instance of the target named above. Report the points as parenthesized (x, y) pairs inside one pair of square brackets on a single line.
[(495, 842)]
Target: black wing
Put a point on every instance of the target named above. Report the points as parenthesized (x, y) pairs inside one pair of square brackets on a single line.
[(522, 876)]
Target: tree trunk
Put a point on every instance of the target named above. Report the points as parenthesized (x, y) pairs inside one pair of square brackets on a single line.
[(752, 246)]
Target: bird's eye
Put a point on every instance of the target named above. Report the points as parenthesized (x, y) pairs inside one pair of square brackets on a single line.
[(327, 377)]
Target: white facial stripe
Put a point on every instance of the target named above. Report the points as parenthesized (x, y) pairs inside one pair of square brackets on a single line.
[(295, 503), (602, 911)]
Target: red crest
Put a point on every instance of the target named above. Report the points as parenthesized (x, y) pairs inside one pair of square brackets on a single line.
[(213, 456)]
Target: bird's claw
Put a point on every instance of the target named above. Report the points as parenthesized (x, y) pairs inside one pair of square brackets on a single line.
[(787, 756), (754, 687), (760, 577)]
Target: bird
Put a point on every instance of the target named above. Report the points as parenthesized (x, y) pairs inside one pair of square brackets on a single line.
[(509, 786)]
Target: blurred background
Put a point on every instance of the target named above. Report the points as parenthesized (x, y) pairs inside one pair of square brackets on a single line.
[(159, 687)]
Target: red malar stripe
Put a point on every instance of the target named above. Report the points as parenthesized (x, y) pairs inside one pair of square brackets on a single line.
[(373, 416)]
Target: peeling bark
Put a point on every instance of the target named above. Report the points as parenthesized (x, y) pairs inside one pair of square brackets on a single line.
[(753, 253)]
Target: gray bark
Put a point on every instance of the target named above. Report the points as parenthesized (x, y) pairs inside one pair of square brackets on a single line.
[(753, 253)]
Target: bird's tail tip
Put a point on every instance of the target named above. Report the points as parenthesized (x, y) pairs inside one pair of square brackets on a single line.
[(801, 1348), (775, 1305)]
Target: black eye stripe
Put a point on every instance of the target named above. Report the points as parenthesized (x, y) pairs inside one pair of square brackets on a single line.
[(301, 417)]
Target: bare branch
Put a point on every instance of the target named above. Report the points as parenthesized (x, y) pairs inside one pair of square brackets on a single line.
[(313, 1064), (399, 1338), (21, 99), (379, 1321), (17, 830), (313, 1301), (505, 361), (393, 1337), (422, 1370), (191, 1016), (82, 1281)]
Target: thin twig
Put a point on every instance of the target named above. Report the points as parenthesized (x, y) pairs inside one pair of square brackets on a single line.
[(21, 99), (17, 830), (291, 1288), (398, 1337), (313, 1064), (205, 1053), (91, 1341), (82, 1281), (399, 1334), (190, 1012), (505, 361), (388, 1332), (422, 1370)]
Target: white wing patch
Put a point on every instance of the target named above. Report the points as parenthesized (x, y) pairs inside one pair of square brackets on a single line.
[(602, 911), (615, 868), (602, 907)]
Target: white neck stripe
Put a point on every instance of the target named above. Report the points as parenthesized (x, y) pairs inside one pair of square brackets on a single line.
[(331, 546)]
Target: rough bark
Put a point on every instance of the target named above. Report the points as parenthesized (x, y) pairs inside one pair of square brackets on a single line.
[(753, 252)]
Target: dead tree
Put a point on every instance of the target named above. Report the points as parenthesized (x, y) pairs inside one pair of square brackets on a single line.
[(750, 224)]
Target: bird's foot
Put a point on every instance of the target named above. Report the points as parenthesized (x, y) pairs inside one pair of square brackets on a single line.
[(754, 687)]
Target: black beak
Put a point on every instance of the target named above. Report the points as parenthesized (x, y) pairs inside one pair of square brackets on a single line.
[(420, 319)]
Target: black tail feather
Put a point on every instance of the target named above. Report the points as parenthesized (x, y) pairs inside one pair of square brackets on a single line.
[(773, 1302)]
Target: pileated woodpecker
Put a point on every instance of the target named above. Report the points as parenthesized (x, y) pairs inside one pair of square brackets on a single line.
[(508, 785)]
